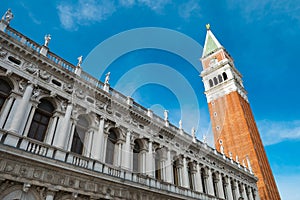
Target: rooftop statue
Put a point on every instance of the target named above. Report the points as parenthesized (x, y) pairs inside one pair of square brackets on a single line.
[(47, 40), (8, 16)]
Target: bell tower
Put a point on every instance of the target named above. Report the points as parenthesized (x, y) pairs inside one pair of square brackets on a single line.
[(234, 128)]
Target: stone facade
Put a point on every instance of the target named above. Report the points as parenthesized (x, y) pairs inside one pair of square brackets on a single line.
[(66, 135)]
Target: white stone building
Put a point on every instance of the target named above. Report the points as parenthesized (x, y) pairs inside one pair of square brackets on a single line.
[(66, 135)]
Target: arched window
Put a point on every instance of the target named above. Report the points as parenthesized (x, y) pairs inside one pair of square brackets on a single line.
[(211, 84), (110, 147), (175, 173), (215, 184), (220, 78), (215, 81), (79, 134), (158, 174), (5, 90), (224, 76), (203, 180), (136, 156), (40, 120)]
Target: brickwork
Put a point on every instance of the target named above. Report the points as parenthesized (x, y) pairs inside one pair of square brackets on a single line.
[(234, 124), (232, 120)]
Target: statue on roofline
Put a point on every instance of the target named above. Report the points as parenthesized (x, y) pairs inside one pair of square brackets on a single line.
[(8, 16)]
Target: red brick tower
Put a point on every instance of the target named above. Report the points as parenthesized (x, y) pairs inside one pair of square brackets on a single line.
[(233, 124)]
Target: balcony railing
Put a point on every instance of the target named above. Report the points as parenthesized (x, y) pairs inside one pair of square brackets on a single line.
[(40, 149)]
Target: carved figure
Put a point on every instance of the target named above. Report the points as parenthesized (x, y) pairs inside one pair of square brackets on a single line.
[(8, 16), (47, 40), (166, 112), (79, 61), (180, 124), (107, 77)]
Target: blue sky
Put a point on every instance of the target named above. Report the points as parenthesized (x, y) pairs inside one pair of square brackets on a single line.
[(262, 37)]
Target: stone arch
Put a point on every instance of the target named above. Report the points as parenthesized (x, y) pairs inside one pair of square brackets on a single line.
[(80, 133), (12, 83), (40, 122), (69, 197), (17, 192), (111, 152)]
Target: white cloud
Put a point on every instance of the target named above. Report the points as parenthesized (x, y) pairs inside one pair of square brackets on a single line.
[(189, 8), (288, 185), (84, 12), (256, 10), (127, 3), (275, 132), (156, 5)]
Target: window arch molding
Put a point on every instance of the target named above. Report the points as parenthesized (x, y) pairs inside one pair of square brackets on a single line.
[(16, 192), (41, 119), (138, 149), (82, 126), (111, 152), (6, 88)]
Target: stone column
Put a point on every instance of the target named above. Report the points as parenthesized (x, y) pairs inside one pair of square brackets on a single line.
[(235, 189), (119, 155), (220, 186), (20, 110), (169, 168), (51, 132), (143, 163), (179, 171), (244, 195), (150, 169), (193, 176), (209, 180), (228, 188), (50, 195), (88, 142), (31, 114), (185, 178), (97, 150), (127, 152), (163, 170), (71, 136), (62, 136), (198, 178), (6, 110), (250, 194), (104, 146)]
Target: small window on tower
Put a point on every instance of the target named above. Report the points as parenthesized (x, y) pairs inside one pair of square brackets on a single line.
[(224, 76), (215, 81), (220, 78), (210, 83)]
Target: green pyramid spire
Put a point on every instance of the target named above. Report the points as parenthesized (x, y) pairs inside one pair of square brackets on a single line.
[(211, 43)]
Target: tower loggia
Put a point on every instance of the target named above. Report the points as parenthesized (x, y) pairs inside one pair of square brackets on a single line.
[(234, 128)]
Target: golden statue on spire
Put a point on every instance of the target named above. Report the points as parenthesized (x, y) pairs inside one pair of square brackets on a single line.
[(208, 26)]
